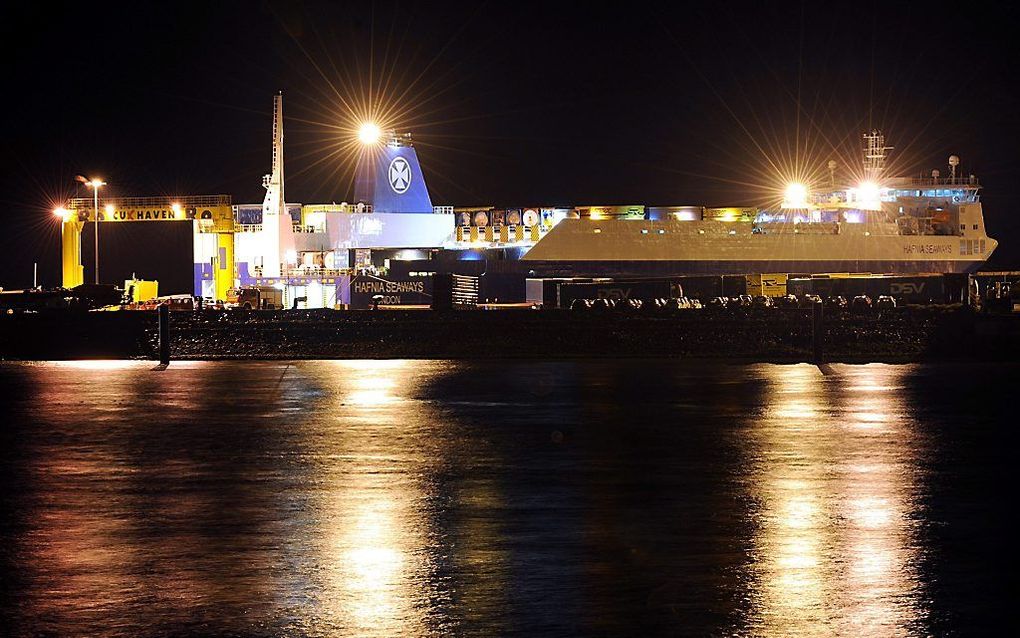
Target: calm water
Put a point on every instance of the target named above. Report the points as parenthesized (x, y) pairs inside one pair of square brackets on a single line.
[(420, 498)]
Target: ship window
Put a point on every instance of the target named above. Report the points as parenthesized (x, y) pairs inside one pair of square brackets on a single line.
[(963, 226), (598, 230), (662, 232), (975, 226), (963, 246), (644, 231), (982, 246)]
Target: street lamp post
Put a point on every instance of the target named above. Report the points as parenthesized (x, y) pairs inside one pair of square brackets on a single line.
[(95, 184)]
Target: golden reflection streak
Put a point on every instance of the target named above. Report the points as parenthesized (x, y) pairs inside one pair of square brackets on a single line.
[(834, 551), (376, 533)]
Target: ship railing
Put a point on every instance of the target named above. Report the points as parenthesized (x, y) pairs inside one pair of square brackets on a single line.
[(442, 210), (308, 228), (185, 201), (342, 207), (960, 182), (316, 271), (247, 228)]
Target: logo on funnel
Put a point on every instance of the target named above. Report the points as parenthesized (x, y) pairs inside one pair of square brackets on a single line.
[(400, 175)]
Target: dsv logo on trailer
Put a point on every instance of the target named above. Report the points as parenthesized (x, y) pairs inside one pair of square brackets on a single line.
[(908, 288), (400, 175)]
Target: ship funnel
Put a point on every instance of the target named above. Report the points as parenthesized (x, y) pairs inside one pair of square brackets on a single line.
[(389, 177)]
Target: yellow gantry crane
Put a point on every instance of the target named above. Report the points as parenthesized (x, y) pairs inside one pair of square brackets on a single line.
[(211, 216)]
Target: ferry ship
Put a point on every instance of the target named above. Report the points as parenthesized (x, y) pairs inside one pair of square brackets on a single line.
[(879, 225), (319, 255)]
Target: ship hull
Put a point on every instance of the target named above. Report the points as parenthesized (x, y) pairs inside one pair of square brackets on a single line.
[(590, 248), (602, 268)]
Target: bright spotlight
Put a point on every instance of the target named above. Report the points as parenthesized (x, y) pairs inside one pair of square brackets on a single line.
[(60, 211), (369, 133), (795, 196), (869, 194)]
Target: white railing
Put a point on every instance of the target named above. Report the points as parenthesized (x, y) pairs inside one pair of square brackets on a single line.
[(316, 271), (308, 228), (185, 201)]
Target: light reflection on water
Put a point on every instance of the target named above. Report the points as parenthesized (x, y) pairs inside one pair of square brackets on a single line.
[(382, 498), (374, 525), (835, 472)]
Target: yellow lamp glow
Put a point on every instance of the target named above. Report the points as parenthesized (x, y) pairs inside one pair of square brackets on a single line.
[(60, 211), (369, 133)]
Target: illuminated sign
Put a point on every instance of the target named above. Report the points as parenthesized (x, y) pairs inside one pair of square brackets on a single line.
[(367, 290), (147, 214), (378, 286)]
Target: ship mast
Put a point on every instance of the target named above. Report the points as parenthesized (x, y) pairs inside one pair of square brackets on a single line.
[(874, 155), (277, 233)]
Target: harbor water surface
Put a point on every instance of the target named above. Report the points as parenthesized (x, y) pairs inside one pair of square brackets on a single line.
[(434, 498)]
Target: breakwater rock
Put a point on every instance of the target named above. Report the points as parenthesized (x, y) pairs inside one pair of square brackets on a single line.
[(901, 334)]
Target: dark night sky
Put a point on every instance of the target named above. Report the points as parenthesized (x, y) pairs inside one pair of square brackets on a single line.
[(510, 103)]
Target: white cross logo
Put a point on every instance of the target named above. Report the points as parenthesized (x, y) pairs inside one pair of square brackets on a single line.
[(400, 175)]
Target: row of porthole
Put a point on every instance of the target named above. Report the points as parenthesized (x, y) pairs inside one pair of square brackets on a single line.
[(644, 231)]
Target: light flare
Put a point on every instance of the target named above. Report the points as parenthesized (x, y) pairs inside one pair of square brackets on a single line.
[(369, 133), (795, 195)]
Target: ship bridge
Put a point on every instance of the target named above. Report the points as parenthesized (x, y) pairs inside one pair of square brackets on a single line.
[(955, 190)]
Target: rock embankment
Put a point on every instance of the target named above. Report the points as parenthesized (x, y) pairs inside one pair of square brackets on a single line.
[(902, 334)]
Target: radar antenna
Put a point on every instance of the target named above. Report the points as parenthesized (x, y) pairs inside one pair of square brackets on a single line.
[(954, 161)]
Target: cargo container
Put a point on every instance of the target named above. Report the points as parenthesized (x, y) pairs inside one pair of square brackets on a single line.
[(912, 289)]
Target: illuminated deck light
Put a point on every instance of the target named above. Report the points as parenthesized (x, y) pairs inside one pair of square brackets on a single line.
[(795, 196)]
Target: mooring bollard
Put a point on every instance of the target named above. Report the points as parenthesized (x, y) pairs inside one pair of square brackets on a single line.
[(163, 313), (817, 331)]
